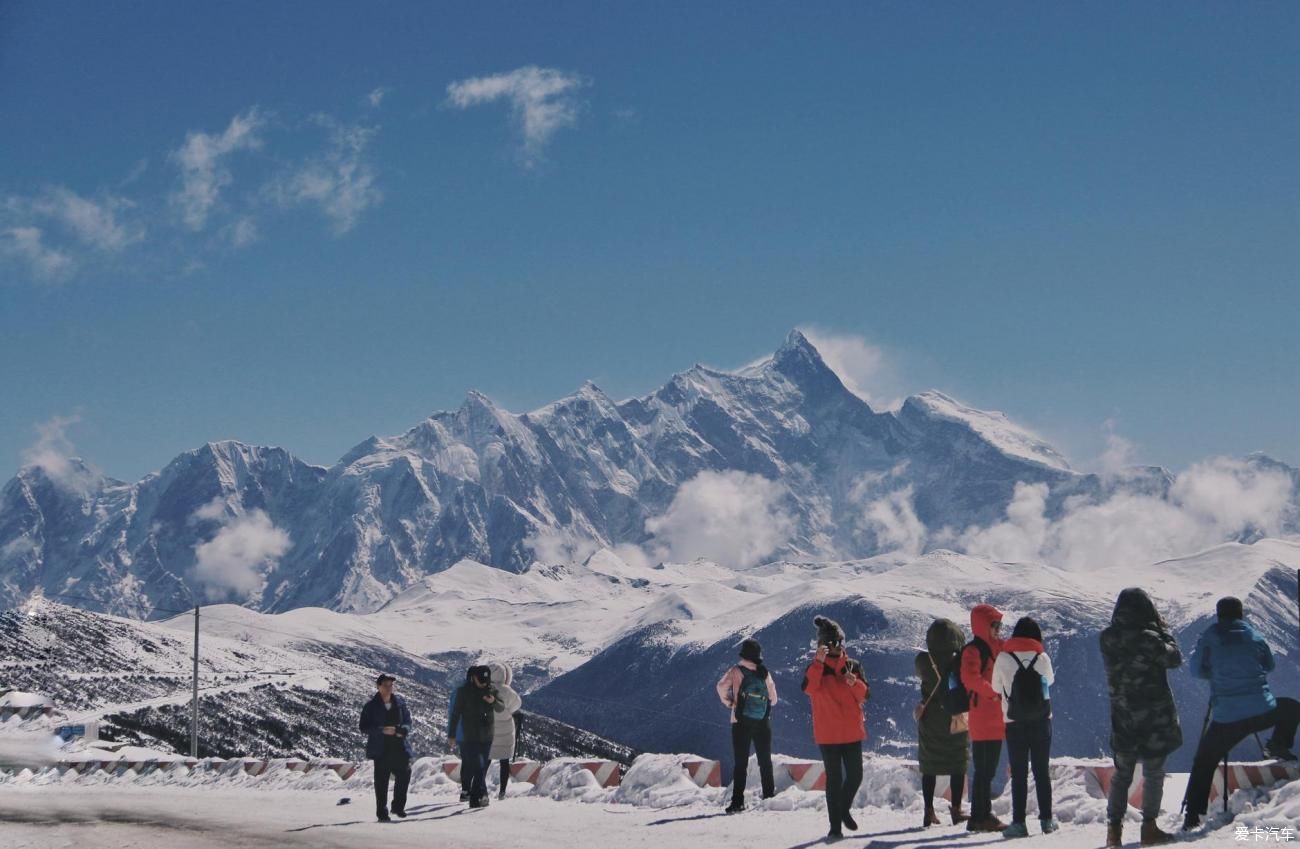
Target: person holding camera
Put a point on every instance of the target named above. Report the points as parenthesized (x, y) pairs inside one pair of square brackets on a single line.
[(387, 723), (1236, 661), (476, 704), (838, 690)]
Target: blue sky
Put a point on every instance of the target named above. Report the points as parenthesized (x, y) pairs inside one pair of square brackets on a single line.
[(299, 224)]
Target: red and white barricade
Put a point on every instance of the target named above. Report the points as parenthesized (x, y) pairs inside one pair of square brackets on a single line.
[(296, 765), (1242, 776), (451, 768), (608, 773), (704, 773), (807, 775), (527, 771)]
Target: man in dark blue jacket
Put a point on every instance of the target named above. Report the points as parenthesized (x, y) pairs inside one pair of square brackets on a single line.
[(387, 724), (1236, 661)]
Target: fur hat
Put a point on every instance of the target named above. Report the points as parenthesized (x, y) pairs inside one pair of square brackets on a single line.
[(750, 650), (1230, 609), (828, 631)]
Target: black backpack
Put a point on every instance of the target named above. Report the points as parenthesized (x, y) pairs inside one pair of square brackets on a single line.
[(1027, 701), (957, 699)]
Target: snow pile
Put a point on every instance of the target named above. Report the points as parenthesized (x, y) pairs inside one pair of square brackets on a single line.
[(661, 781), (567, 780)]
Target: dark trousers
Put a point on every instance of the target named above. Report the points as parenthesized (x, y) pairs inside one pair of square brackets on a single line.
[(398, 766), (843, 762), (985, 755), (742, 734), (475, 758), (1219, 739), (505, 775), (929, 783), (1029, 744)]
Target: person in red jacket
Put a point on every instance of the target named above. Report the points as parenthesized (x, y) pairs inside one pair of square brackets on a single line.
[(987, 725), (837, 689)]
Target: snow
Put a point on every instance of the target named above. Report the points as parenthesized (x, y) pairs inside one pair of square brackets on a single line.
[(656, 806), (994, 427)]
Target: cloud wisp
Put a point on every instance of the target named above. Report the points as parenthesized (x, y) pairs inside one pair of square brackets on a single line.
[(542, 102), (865, 368), (340, 180), (54, 454), (27, 244), (733, 518), (236, 561), (202, 162)]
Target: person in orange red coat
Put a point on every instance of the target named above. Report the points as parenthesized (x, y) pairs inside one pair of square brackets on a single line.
[(987, 725), (837, 689)]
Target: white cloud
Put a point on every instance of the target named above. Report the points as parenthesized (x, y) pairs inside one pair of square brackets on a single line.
[(1212, 502), (732, 518), (865, 369), (1119, 453), (28, 244), (340, 180), (236, 561), (203, 174), (94, 223), (243, 232), (542, 101), (376, 96), (560, 545), (893, 521), (54, 454)]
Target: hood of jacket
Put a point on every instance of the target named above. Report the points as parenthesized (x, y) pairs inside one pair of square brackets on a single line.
[(943, 639), (1022, 644), (1134, 609), (982, 617), (502, 674)]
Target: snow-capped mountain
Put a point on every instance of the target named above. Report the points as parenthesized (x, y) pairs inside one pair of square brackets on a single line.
[(555, 484)]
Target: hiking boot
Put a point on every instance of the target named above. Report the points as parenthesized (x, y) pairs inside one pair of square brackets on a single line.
[(834, 835), (930, 818), (502, 794), (399, 812), (383, 816), (849, 822), (958, 816), (464, 795), (1114, 835), (1152, 834), (1281, 753), (1016, 829), (988, 824), (735, 808), (1049, 825)]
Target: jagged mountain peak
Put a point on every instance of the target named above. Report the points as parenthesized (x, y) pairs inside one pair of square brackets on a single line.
[(991, 426)]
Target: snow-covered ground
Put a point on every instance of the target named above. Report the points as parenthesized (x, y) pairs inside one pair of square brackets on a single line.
[(656, 806)]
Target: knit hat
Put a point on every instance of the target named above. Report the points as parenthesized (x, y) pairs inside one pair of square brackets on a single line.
[(750, 650), (828, 631), (1026, 627), (1229, 609)]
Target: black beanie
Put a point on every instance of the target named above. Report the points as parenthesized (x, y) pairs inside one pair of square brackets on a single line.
[(1229, 609), (750, 650), (828, 630)]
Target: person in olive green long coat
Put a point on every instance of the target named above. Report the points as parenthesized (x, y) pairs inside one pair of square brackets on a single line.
[(941, 752)]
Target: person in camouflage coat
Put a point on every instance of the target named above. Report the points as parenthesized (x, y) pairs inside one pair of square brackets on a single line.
[(1138, 651), (940, 752)]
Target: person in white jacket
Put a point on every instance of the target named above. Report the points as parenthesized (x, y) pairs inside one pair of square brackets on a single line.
[(1023, 676), (748, 692), (507, 723)]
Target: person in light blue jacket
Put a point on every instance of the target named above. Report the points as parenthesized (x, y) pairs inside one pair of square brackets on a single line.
[(1236, 661)]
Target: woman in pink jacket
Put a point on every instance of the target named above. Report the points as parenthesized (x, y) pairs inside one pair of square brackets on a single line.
[(747, 689)]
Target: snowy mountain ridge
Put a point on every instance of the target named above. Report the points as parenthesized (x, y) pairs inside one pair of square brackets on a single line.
[(830, 478)]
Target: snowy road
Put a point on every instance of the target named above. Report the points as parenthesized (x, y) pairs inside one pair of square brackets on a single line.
[(187, 818)]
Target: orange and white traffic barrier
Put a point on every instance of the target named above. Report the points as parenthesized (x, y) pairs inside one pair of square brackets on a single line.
[(807, 775), (608, 773), (704, 773), (525, 771), (296, 765), (1242, 776), (451, 768)]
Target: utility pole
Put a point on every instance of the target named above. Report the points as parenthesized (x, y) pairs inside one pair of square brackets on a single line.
[(194, 718)]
